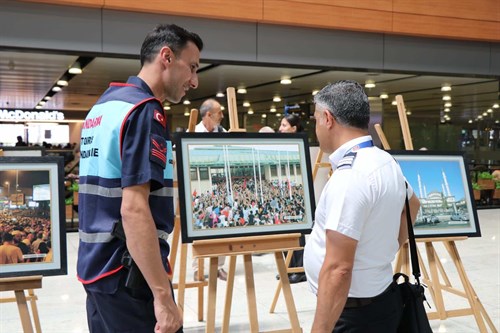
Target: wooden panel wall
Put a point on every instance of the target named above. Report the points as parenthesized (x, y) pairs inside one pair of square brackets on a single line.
[(450, 19)]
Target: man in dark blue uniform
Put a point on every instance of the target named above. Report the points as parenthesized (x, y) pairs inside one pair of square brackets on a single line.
[(126, 179)]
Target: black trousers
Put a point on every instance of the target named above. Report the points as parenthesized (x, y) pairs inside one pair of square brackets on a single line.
[(381, 316), (124, 311)]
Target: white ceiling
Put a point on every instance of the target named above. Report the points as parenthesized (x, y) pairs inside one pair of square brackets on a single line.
[(25, 78)]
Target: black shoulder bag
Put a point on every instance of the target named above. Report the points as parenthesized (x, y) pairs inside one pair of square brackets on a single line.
[(414, 318)]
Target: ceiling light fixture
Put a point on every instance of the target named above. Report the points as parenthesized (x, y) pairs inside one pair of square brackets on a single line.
[(222, 107), (187, 114), (276, 99), (286, 80), (447, 110), (38, 107), (446, 87), (75, 69), (384, 95), (314, 92), (56, 89), (246, 104), (394, 102), (241, 91), (447, 105), (496, 106), (219, 94), (408, 113), (370, 84), (278, 114), (47, 98), (62, 83), (250, 111), (264, 115), (272, 109), (41, 103), (484, 114), (489, 110), (470, 121), (186, 102), (446, 98), (166, 107)]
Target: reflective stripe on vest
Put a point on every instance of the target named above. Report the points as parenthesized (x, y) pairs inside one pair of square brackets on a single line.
[(117, 191)]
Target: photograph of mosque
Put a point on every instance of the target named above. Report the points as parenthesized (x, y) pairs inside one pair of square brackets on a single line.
[(244, 187), (443, 188)]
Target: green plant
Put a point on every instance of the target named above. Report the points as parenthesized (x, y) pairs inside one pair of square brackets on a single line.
[(74, 187), (497, 185), (68, 201), (475, 186), (484, 175)]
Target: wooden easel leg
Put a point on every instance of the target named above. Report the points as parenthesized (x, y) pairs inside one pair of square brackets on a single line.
[(436, 285), (403, 260), (469, 291), (278, 287), (287, 293), (212, 295), (201, 277), (181, 290), (34, 310), (251, 300), (23, 311), (229, 294)]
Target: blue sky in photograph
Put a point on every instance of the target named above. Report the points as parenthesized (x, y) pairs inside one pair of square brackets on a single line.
[(431, 176)]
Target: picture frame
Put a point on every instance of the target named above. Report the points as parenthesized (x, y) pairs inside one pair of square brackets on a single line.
[(442, 183), (243, 184), (35, 222)]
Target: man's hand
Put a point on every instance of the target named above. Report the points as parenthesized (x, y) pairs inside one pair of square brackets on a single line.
[(168, 317)]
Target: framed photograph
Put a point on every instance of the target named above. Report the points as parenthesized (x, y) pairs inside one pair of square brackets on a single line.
[(441, 182), (32, 223), (243, 184)]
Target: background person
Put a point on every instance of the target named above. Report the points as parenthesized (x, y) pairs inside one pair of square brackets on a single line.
[(9, 253), (126, 174), (211, 117), (360, 220), (291, 124), (20, 142)]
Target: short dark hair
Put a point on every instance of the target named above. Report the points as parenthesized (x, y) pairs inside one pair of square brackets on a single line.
[(294, 120), (169, 35), (347, 102), (7, 237)]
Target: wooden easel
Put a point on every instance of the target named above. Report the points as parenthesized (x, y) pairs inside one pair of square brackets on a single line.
[(436, 288), (19, 285), (182, 284), (317, 165), (246, 246)]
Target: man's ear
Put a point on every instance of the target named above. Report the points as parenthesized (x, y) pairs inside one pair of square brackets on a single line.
[(166, 54)]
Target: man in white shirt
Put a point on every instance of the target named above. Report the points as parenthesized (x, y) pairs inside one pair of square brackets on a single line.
[(360, 220), (211, 117)]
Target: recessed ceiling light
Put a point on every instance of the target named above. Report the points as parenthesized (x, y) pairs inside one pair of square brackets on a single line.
[(370, 84), (41, 103), (286, 80), (447, 105), (276, 99), (384, 95), (264, 115), (272, 109), (278, 114), (496, 106), (314, 92), (187, 114), (62, 83), (445, 87), (250, 111), (394, 102), (246, 104), (497, 121), (408, 113), (166, 107), (470, 121), (219, 94), (446, 98), (75, 69), (38, 107), (447, 110), (186, 102), (241, 91), (56, 89), (479, 117), (222, 107), (489, 110), (47, 98), (484, 114)]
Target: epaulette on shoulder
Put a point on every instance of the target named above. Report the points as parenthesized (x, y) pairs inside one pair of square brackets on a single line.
[(347, 161)]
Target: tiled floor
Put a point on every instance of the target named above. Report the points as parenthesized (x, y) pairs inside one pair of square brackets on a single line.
[(61, 301)]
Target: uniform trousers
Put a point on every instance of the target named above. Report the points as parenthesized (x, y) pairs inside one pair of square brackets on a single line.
[(121, 311), (381, 315)]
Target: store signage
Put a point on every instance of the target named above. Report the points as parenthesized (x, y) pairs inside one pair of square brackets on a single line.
[(20, 115)]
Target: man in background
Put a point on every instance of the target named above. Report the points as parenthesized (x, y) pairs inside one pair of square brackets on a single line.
[(211, 117)]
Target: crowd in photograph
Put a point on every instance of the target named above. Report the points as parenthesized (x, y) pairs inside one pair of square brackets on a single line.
[(246, 203), (25, 237)]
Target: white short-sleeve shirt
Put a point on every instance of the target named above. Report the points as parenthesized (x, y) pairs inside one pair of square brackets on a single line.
[(363, 202)]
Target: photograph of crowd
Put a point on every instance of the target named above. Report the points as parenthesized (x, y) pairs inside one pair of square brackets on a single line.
[(245, 188), (29, 220)]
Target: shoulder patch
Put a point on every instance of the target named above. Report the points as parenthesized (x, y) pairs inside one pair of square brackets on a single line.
[(160, 117), (347, 161), (158, 150)]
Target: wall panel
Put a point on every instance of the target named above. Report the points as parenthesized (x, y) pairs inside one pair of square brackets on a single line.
[(384, 5)]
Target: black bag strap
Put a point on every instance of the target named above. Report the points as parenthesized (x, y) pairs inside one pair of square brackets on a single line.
[(411, 240)]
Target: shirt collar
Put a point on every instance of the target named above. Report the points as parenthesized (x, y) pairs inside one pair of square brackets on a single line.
[(337, 155), (138, 82)]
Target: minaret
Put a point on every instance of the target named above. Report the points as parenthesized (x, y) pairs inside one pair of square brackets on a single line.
[(425, 192), (448, 193), (444, 191), (420, 185)]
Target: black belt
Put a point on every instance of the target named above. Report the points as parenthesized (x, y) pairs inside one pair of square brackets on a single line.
[(355, 302)]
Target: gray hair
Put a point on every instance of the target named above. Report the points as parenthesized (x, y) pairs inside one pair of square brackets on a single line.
[(347, 101), (206, 106)]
